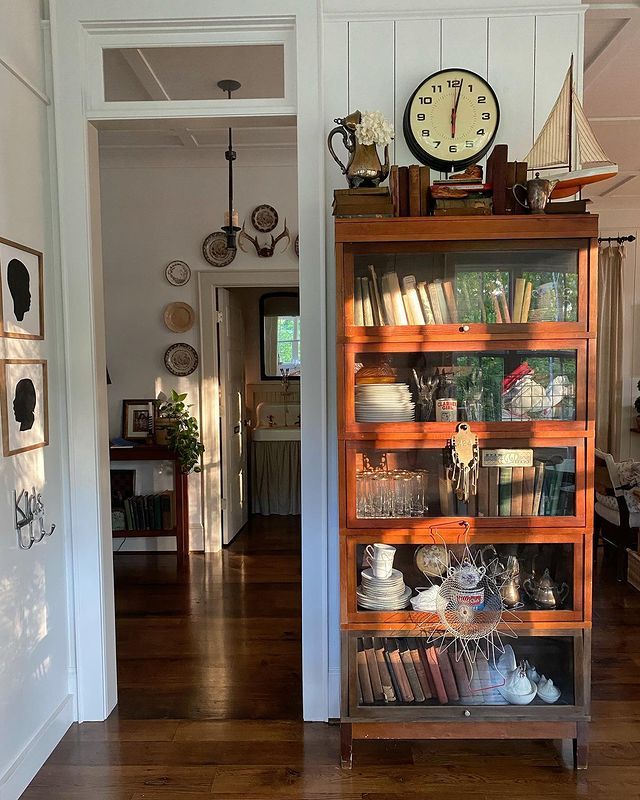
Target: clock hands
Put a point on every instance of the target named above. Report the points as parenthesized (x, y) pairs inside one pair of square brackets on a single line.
[(454, 110)]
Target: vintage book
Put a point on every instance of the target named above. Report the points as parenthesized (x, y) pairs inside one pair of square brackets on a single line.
[(394, 188), (151, 512), (517, 479), (128, 515), (363, 674), (528, 486), (427, 311), (358, 315), (383, 671), (425, 177), (436, 675), (414, 190), (497, 177), (392, 675), (465, 211), (168, 510), (387, 299), (460, 673), (372, 665), (403, 190), (494, 497), (410, 669), (411, 295), (450, 300), (505, 491), (367, 309), (419, 668), (376, 299), (526, 302), (399, 671), (374, 306), (447, 675), (157, 513), (399, 311), (554, 493), (442, 301), (425, 665), (567, 207), (518, 297), (483, 492), (496, 308), (504, 306), (435, 303), (407, 309), (537, 491)]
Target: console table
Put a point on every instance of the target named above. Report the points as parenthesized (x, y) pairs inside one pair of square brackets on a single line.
[(158, 453)]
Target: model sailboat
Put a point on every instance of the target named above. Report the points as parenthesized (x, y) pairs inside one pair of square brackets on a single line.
[(553, 147)]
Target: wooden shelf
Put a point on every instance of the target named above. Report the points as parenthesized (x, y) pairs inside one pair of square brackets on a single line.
[(136, 534)]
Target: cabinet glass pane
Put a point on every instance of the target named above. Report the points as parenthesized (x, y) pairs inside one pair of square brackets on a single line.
[(466, 286), (483, 386), (399, 671), (533, 576), (401, 484)]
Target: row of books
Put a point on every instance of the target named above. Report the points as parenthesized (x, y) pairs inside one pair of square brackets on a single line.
[(384, 302), (544, 490), (146, 513), (409, 670), (409, 188)]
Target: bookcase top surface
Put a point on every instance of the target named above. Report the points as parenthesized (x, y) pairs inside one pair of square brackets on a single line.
[(510, 226)]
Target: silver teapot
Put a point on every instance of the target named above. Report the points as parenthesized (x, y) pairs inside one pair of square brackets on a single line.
[(510, 589), (544, 592), (538, 193)]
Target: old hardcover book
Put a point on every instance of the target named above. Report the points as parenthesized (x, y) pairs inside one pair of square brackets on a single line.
[(403, 190), (392, 675), (363, 674), (460, 673), (436, 675), (537, 491), (414, 190), (528, 486), (387, 299), (358, 313), (410, 669), (435, 303), (394, 189), (447, 675), (367, 308), (425, 179), (383, 670), (399, 671), (496, 308), (376, 298), (504, 306), (517, 479), (450, 299), (518, 297), (411, 295), (494, 498), (505, 491), (427, 311), (399, 311), (374, 672), (483, 492), (419, 668), (497, 177), (526, 302), (444, 309), (425, 665)]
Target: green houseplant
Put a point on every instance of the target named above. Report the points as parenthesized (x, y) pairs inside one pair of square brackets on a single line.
[(179, 430)]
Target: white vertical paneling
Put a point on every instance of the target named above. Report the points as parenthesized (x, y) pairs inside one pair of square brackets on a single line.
[(511, 74), (371, 68), (336, 104), (557, 38), (464, 44), (417, 57)]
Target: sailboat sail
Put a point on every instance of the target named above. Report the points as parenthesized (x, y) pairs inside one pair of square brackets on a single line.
[(590, 151), (551, 148)]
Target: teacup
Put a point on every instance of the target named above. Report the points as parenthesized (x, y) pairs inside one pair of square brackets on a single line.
[(380, 558)]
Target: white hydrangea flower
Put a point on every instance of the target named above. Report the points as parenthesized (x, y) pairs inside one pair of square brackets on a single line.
[(374, 129)]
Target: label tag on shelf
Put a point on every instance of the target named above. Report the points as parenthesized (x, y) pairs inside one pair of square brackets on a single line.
[(507, 457)]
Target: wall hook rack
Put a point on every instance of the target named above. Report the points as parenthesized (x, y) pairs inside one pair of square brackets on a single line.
[(29, 513)]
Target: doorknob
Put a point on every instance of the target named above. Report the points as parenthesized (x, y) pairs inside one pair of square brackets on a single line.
[(236, 429)]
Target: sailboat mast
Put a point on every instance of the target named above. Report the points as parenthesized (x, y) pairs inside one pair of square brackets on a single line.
[(571, 115)]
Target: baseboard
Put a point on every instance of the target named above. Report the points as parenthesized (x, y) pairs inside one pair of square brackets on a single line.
[(159, 544), (19, 775), (334, 693)]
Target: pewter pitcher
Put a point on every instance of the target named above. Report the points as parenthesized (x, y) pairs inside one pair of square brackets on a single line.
[(363, 168), (538, 193)]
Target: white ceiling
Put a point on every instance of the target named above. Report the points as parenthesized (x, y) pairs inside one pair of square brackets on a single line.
[(612, 96)]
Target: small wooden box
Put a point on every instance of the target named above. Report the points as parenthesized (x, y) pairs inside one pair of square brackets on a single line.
[(633, 568)]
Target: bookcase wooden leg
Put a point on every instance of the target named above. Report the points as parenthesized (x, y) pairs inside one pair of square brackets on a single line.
[(581, 746), (346, 745)]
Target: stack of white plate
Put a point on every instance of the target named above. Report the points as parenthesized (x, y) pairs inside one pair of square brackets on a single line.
[(383, 594), (384, 402)]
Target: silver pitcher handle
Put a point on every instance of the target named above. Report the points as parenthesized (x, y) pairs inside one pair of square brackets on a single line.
[(345, 138), (515, 194)]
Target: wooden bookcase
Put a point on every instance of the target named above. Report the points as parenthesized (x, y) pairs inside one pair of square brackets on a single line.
[(546, 250)]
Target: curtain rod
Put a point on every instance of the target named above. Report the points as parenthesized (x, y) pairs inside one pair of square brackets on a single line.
[(618, 239)]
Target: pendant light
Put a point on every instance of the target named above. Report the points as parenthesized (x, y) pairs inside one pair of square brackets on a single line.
[(230, 226)]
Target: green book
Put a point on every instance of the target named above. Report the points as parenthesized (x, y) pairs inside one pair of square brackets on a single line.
[(556, 483), (128, 515), (504, 491)]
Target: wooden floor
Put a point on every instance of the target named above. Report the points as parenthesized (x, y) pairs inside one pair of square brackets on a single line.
[(210, 701)]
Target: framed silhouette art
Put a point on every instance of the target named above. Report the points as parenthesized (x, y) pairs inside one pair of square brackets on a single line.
[(24, 405), (21, 291)]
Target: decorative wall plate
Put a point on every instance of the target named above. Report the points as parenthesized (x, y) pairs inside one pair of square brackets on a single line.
[(179, 317), (181, 359), (432, 560), (264, 218), (178, 273), (296, 245), (215, 250)]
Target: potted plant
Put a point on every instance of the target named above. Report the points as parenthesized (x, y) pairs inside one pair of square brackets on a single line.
[(176, 428)]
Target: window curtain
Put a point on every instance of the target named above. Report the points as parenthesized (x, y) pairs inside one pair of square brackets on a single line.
[(271, 346), (609, 380)]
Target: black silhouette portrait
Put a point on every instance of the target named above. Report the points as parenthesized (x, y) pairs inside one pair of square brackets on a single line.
[(24, 404), (19, 285)]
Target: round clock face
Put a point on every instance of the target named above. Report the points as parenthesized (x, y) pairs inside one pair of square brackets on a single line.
[(451, 119)]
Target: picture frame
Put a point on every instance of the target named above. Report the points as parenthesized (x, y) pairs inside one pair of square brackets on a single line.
[(21, 291), (138, 419), (24, 404)]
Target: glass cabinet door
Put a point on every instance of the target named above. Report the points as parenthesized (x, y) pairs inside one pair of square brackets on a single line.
[(483, 385), (406, 485), (472, 283)]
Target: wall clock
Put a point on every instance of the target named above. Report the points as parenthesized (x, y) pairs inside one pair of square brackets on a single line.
[(451, 119)]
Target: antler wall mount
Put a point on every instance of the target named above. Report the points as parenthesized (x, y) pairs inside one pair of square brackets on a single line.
[(264, 250)]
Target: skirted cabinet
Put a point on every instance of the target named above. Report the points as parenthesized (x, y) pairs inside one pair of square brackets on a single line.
[(488, 323)]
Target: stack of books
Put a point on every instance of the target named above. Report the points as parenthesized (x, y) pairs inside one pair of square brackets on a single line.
[(461, 197), (503, 174), (152, 512), (409, 670), (410, 190), (374, 202)]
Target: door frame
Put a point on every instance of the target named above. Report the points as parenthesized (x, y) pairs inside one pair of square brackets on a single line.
[(75, 24), (208, 282)]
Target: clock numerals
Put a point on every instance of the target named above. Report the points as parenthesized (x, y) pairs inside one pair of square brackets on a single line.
[(482, 98), (426, 101), (486, 115), (426, 132)]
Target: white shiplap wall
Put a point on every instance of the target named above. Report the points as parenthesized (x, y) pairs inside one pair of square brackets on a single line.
[(375, 62)]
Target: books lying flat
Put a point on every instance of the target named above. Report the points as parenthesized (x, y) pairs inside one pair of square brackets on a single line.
[(373, 202)]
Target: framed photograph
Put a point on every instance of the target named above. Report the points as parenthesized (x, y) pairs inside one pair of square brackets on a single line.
[(21, 291), (24, 405), (137, 419)]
